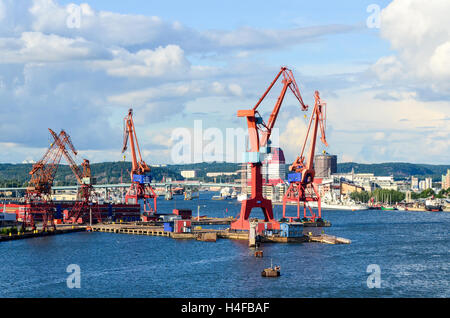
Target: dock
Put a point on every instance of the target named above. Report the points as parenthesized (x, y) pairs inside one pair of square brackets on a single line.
[(65, 229), (211, 235), (310, 233)]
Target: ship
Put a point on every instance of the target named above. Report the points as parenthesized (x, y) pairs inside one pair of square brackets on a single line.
[(433, 205)]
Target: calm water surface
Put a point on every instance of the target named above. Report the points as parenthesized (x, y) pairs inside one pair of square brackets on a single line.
[(411, 248)]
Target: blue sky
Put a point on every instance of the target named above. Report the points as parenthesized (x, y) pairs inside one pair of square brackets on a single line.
[(176, 62)]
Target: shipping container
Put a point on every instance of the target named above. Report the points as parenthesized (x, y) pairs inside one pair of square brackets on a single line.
[(168, 227), (179, 225), (184, 213)]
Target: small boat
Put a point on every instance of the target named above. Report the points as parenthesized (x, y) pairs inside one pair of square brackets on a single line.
[(388, 208), (272, 271), (218, 197), (242, 196)]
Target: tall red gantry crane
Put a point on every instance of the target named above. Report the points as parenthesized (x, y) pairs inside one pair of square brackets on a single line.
[(259, 138), (140, 187), (82, 207), (301, 179), (39, 189)]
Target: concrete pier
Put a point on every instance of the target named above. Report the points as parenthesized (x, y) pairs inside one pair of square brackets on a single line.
[(59, 230)]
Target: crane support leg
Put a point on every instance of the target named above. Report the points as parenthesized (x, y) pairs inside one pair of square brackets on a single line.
[(256, 201), (297, 192)]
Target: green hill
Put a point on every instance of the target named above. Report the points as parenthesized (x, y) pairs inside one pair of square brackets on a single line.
[(16, 175), (397, 169)]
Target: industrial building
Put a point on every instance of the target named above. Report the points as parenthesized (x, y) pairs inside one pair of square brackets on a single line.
[(325, 165), (273, 172)]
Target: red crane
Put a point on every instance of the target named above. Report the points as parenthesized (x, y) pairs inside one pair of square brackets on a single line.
[(301, 180), (140, 187), (82, 207), (39, 189), (259, 137)]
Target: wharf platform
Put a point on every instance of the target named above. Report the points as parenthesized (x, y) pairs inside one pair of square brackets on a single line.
[(201, 234), (60, 229)]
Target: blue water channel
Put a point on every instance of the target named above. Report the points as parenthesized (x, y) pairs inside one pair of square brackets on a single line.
[(410, 248)]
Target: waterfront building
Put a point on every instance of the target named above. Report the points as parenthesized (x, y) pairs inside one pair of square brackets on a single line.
[(188, 174), (273, 172), (218, 174), (428, 183), (325, 165), (446, 180), (368, 181), (414, 183), (422, 185)]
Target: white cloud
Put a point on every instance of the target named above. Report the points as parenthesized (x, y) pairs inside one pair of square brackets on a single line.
[(368, 129), (292, 138), (166, 61), (419, 31), (36, 47)]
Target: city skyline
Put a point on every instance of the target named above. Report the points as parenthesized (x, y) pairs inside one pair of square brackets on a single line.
[(79, 66)]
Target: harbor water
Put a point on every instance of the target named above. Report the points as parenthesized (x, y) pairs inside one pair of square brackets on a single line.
[(410, 248)]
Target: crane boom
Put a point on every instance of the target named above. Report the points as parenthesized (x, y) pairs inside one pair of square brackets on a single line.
[(62, 142), (288, 82), (138, 167), (43, 172)]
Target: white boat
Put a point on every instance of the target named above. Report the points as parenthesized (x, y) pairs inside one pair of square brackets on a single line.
[(225, 192), (339, 206), (242, 196)]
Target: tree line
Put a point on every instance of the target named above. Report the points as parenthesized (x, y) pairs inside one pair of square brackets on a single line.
[(393, 196)]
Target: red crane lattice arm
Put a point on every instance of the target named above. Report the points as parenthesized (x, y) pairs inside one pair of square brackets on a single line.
[(62, 142), (316, 121), (43, 172), (138, 167), (256, 140)]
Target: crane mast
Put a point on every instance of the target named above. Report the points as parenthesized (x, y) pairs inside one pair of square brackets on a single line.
[(140, 187), (301, 179), (259, 138)]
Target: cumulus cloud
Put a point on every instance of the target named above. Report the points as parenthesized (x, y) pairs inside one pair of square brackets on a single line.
[(133, 31), (419, 32), (292, 137), (166, 61), (36, 47)]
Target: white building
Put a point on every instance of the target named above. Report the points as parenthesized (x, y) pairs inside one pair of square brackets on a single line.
[(188, 174), (367, 180), (428, 183)]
